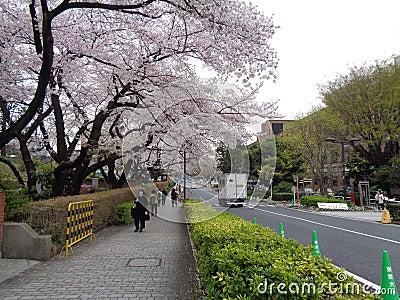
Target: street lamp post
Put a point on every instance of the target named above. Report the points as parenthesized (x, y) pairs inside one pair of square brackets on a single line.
[(342, 143)]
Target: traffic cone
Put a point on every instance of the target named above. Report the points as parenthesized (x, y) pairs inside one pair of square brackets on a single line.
[(281, 231), (388, 284), (254, 220), (315, 246)]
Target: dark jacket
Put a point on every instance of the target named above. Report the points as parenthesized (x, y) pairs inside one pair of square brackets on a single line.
[(138, 211), (174, 194)]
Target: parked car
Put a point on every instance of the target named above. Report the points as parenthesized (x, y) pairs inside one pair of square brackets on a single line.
[(306, 192), (342, 194), (328, 191)]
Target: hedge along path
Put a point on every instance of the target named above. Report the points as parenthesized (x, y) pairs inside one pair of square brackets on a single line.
[(237, 257), (49, 216)]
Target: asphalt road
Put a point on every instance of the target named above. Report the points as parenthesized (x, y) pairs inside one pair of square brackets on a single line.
[(354, 245)]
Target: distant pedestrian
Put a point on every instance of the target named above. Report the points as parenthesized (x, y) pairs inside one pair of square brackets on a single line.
[(163, 196), (153, 202), (159, 197), (174, 197), (379, 200), (139, 212)]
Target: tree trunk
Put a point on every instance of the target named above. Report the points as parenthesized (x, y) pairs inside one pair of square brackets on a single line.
[(112, 179), (79, 167), (44, 77), (29, 166)]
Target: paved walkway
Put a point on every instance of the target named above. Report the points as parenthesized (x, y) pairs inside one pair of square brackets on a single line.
[(157, 263), (357, 215)]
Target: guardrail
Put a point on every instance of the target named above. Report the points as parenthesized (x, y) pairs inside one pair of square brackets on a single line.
[(79, 224)]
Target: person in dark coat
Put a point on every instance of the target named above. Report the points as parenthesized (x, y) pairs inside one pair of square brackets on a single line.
[(174, 197), (139, 212)]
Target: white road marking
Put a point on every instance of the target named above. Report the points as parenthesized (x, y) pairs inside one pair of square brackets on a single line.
[(330, 226)]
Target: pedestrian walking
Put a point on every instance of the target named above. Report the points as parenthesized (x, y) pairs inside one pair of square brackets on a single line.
[(379, 200), (163, 196), (174, 197), (139, 212), (153, 202), (159, 197)]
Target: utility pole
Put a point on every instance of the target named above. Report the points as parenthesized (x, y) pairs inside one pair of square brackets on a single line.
[(184, 174)]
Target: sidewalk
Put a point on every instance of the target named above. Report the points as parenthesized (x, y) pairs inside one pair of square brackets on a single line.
[(157, 263), (368, 215)]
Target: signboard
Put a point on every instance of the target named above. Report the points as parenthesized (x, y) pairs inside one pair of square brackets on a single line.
[(339, 206)]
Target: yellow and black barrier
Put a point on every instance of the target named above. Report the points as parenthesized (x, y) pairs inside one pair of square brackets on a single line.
[(79, 223)]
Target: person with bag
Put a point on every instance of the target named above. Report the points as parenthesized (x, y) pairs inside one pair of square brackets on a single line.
[(139, 212), (174, 197)]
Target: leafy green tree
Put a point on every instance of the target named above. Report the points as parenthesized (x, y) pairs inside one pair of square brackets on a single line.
[(256, 159), (233, 160), (288, 162), (387, 177), (307, 136), (367, 101)]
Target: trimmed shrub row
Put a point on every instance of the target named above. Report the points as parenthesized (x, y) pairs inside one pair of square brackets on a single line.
[(50, 216), (282, 196), (312, 201), (236, 258)]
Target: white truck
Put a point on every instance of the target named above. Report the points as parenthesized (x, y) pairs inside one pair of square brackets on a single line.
[(232, 189)]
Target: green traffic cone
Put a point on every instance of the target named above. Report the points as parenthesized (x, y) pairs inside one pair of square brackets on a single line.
[(315, 246), (388, 284), (281, 231), (254, 220)]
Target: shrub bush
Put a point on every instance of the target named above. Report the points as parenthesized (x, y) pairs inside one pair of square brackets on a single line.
[(15, 199), (312, 201), (394, 210), (235, 257), (170, 184), (122, 214), (283, 187), (282, 196), (50, 216)]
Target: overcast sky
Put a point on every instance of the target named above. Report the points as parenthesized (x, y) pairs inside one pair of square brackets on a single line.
[(318, 39)]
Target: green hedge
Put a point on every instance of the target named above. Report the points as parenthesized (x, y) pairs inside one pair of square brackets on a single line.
[(394, 210), (282, 196), (122, 214), (50, 216), (15, 199), (312, 201), (235, 257)]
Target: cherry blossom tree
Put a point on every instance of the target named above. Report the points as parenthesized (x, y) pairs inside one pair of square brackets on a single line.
[(88, 63)]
